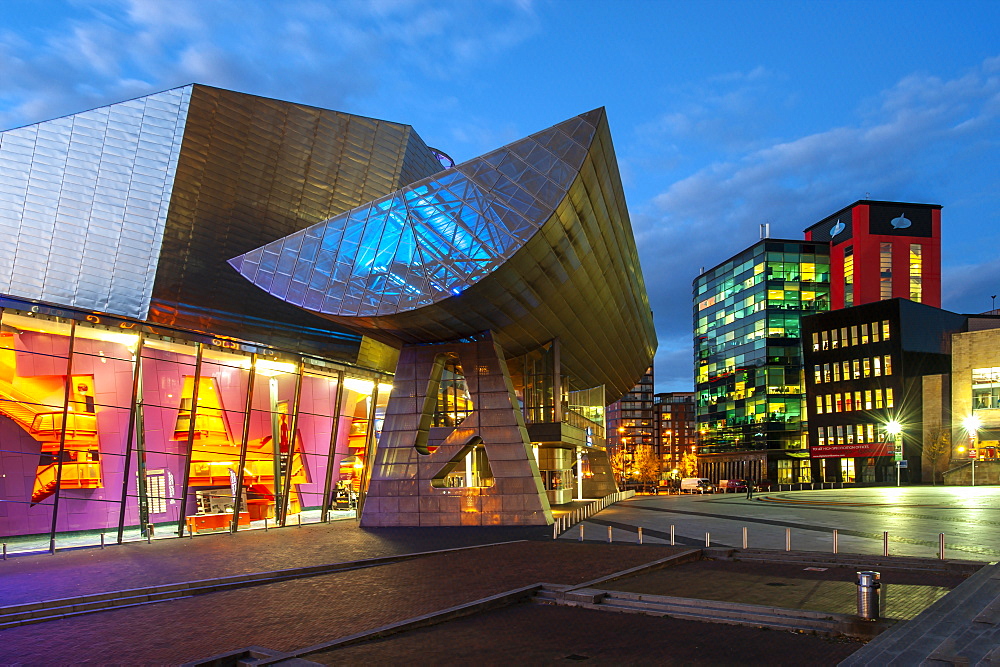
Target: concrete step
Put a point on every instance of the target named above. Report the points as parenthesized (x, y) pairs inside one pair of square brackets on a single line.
[(860, 561), (762, 616), (734, 613)]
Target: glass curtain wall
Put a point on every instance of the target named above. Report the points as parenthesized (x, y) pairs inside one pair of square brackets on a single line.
[(116, 430)]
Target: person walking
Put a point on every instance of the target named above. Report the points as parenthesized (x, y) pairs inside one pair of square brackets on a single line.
[(749, 489)]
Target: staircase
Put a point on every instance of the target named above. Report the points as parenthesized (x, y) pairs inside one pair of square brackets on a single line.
[(987, 472)]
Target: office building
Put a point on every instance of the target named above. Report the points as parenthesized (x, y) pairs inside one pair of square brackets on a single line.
[(748, 356), (676, 429), (747, 317), (864, 384)]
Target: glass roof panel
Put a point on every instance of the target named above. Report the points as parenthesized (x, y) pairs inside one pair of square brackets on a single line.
[(433, 238)]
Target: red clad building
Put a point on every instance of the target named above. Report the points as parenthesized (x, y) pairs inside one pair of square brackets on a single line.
[(882, 250)]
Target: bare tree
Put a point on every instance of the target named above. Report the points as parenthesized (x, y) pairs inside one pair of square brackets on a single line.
[(938, 442)]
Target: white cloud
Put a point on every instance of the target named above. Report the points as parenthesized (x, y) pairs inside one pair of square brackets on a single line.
[(320, 53), (898, 149)]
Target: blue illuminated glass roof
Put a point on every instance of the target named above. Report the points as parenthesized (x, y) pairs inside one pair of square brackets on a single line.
[(432, 239)]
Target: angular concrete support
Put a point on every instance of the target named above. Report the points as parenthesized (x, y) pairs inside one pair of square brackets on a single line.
[(401, 492)]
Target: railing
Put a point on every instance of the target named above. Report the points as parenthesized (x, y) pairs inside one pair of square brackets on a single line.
[(563, 523), (574, 418), (76, 422)]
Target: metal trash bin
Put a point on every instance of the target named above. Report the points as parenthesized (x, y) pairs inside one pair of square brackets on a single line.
[(868, 595)]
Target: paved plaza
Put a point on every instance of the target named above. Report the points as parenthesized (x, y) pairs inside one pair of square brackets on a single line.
[(913, 516), (302, 612)]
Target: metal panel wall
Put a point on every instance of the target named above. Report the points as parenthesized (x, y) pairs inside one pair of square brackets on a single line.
[(253, 170), (83, 203)]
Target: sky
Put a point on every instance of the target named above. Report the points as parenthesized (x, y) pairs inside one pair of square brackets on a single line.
[(724, 115)]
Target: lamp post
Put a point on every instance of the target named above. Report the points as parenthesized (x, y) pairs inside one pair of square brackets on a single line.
[(894, 428), (972, 424)]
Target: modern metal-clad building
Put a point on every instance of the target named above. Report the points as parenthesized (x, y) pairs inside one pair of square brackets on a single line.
[(525, 249), (133, 208), (146, 389)]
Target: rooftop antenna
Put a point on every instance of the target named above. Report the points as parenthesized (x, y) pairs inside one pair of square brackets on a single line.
[(868, 195), (765, 230)]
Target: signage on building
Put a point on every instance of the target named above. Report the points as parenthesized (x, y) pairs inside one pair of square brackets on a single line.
[(857, 450), (836, 229), (894, 220)]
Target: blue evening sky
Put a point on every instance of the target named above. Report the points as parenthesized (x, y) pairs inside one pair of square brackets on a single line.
[(724, 114)]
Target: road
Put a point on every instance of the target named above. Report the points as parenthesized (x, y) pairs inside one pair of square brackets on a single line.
[(913, 516)]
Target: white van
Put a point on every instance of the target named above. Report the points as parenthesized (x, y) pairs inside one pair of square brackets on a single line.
[(696, 485)]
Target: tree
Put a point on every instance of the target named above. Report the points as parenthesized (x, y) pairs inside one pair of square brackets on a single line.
[(647, 465), (689, 465), (619, 462), (938, 442)]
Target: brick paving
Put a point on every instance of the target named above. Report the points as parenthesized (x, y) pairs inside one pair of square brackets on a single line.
[(540, 635), (303, 612), (790, 585), (132, 565)]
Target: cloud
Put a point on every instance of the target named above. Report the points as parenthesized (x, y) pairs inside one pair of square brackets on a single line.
[(321, 53), (897, 149)]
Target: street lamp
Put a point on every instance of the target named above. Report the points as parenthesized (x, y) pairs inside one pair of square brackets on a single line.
[(894, 428), (972, 424)]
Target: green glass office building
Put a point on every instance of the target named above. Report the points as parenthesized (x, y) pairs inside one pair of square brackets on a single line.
[(751, 410)]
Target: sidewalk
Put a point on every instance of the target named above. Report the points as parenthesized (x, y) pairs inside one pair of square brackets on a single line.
[(131, 565), (303, 612)]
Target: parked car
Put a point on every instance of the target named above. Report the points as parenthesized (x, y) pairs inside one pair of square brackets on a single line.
[(696, 485), (737, 485)]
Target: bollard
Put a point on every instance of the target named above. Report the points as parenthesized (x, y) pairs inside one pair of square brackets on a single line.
[(102, 540), (300, 518), (671, 535), (555, 529), (744, 537), (708, 540), (885, 543), (868, 595), (941, 546), (265, 524), (640, 534), (5, 551), (836, 537), (609, 534), (788, 539), (581, 532)]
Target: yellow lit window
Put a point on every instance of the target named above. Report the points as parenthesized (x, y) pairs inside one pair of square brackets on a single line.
[(888, 398), (916, 271), (888, 364)]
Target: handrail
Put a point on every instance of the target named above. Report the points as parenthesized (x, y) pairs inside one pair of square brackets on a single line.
[(567, 520)]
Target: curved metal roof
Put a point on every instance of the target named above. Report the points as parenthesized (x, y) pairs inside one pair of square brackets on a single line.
[(531, 241)]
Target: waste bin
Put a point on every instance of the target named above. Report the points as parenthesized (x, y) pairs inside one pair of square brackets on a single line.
[(868, 595)]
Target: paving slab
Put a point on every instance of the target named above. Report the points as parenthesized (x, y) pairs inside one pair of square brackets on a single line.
[(539, 634), (294, 614)]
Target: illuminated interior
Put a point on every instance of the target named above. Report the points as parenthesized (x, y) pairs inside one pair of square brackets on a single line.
[(103, 413)]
